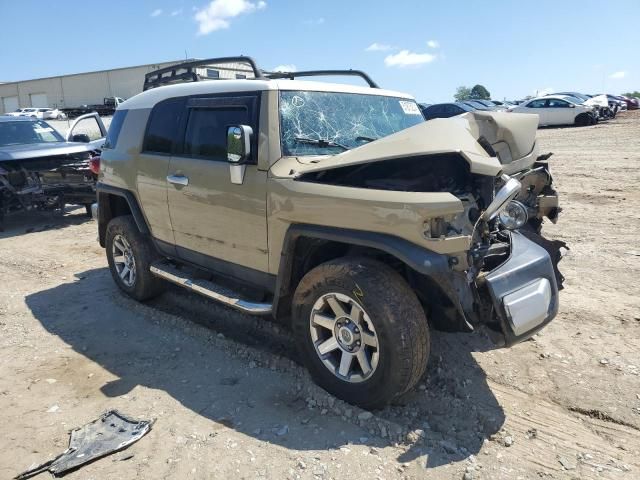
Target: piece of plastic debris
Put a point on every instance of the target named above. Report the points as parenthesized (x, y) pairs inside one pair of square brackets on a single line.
[(110, 433)]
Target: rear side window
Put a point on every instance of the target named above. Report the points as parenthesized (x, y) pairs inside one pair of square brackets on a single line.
[(114, 129), (163, 126), (206, 135)]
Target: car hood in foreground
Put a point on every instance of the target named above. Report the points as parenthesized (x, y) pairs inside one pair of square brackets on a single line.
[(36, 150), (511, 135)]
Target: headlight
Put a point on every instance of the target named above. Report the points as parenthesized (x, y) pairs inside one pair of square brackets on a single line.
[(508, 191), (514, 215)]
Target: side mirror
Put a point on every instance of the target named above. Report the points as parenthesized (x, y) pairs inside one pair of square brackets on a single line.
[(571, 105), (239, 144), (81, 138)]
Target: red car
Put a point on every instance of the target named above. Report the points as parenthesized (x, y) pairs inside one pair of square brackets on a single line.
[(633, 103)]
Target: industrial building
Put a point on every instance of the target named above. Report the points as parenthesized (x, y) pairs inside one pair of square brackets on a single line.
[(68, 91)]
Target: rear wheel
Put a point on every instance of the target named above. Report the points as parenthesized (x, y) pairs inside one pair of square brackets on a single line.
[(360, 330), (130, 255)]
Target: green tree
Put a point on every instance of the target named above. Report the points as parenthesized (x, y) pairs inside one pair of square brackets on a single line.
[(632, 94), (479, 92), (462, 93)]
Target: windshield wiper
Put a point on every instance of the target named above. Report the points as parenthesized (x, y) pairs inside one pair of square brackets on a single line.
[(320, 142)]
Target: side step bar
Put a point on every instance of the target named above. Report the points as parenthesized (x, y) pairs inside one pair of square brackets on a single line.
[(166, 271)]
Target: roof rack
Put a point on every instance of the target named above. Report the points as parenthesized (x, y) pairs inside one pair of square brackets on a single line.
[(318, 73), (187, 72), (173, 74)]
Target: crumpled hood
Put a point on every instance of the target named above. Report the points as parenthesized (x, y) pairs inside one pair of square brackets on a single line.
[(38, 150), (512, 135)]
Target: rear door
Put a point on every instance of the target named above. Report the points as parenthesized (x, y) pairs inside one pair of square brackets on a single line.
[(216, 223)]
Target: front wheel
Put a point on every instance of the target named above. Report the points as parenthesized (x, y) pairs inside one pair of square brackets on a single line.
[(130, 255), (360, 330)]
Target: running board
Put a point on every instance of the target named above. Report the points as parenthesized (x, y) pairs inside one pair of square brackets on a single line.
[(209, 289)]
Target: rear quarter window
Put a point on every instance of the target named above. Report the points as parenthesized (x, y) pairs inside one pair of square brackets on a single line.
[(114, 128), (163, 126)]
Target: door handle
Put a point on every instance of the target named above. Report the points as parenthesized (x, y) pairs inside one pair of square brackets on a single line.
[(178, 180)]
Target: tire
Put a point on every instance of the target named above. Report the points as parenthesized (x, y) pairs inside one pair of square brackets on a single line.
[(390, 309), (141, 285), (583, 120), (87, 210)]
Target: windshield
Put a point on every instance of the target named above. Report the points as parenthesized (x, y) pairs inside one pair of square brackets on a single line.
[(327, 123), (21, 133)]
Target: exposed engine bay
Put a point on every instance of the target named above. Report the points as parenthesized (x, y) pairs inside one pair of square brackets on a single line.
[(46, 183)]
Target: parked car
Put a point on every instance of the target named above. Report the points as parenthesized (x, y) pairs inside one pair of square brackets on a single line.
[(15, 113), (632, 102), (479, 105), (354, 224), (445, 110), (29, 112), (557, 110), (39, 169), (51, 114)]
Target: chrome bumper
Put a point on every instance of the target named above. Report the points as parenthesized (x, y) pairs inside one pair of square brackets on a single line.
[(523, 290)]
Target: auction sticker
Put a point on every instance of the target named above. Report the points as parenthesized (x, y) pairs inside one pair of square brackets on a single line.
[(410, 108)]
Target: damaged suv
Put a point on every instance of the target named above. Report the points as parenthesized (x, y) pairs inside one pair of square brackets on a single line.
[(41, 170), (334, 208)]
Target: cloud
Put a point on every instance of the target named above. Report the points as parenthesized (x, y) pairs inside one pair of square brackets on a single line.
[(618, 75), (378, 47), (405, 58), (157, 12), (217, 15), (288, 67), (177, 12), (433, 44)]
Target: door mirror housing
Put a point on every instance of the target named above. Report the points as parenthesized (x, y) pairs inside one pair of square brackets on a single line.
[(81, 138), (239, 144), (572, 105)]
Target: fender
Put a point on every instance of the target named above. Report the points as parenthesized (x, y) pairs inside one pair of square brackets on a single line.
[(433, 265), (104, 214)]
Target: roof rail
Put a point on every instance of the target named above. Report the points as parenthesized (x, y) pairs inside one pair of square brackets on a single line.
[(317, 73), (186, 72), (170, 75)]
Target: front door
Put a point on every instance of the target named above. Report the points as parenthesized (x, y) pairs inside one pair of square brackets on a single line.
[(559, 112), (216, 223)]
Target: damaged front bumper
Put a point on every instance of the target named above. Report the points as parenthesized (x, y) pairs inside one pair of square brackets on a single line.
[(522, 291)]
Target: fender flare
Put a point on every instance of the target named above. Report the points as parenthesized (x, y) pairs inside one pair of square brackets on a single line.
[(423, 261), (134, 207)]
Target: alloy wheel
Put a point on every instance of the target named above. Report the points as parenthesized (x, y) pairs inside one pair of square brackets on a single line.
[(344, 337)]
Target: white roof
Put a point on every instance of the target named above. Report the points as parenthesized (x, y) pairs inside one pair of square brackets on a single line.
[(149, 98)]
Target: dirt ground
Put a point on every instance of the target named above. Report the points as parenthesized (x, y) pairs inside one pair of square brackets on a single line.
[(231, 401)]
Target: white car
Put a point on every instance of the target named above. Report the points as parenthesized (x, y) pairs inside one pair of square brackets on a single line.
[(558, 110), (17, 113), (29, 112), (51, 114)]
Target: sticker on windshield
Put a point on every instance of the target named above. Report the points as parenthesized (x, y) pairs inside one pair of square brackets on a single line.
[(410, 108), (43, 129)]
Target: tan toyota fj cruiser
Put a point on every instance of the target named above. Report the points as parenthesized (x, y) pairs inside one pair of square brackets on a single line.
[(336, 208)]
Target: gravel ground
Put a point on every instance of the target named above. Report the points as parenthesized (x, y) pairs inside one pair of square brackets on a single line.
[(230, 399)]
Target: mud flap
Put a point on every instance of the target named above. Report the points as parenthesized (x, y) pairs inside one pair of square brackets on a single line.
[(108, 434), (554, 248)]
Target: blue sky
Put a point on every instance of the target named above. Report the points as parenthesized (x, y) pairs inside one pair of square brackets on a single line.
[(514, 48)]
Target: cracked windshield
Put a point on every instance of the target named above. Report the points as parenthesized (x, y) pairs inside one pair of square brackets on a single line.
[(326, 123)]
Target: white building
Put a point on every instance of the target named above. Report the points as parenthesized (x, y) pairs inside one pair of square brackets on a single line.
[(67, 91)]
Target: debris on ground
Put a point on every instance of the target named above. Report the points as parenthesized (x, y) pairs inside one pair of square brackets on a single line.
[(110, 433)]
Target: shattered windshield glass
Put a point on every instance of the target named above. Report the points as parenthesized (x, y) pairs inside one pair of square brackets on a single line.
[(327, 123)]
